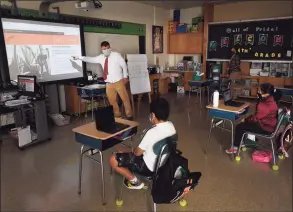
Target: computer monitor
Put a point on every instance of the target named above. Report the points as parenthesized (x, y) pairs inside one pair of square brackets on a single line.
[(27, 85)]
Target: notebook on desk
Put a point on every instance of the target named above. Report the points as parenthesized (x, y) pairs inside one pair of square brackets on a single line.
[(105, 121), (228, 99)]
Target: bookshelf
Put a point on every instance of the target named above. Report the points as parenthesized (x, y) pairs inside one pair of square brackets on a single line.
[(242, 82)]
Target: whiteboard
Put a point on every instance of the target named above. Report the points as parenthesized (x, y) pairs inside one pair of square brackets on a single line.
[(138, 73), (123, 44)]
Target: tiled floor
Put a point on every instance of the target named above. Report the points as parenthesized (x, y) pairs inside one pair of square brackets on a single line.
[(44, 177)]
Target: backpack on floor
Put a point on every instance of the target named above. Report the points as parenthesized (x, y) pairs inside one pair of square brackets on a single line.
[(173, 180)]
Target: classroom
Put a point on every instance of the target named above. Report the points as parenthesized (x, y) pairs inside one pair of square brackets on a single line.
[(146, 105)]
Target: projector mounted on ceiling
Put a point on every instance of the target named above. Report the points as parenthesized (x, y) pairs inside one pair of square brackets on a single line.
[(88, 5)]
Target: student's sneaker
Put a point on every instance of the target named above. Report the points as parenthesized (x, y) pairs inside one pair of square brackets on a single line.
[(131, 185), (232, 150)]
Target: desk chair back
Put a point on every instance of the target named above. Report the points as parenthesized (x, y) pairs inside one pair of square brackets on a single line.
[(163, 148), (281, 117), (271, 137)]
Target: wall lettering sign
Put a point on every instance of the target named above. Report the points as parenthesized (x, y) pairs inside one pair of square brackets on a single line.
[(253, 40)]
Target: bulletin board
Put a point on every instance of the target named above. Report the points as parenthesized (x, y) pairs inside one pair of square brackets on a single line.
[(265, 40), (123, 44)]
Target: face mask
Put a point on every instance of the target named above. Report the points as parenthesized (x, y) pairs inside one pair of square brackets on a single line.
[(106, 52), (151, 118), (259, 96)]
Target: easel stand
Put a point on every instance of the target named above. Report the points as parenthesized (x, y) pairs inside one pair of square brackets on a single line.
[(139, 96)]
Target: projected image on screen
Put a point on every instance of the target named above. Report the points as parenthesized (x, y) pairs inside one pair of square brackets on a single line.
[(42, 49)]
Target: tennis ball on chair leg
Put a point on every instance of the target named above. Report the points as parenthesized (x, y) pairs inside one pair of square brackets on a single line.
[(183, 203), (275, 167), (119, 202), (237, 158)]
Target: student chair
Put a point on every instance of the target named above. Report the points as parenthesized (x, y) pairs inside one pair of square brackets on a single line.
[(271, 137), (161, 148)]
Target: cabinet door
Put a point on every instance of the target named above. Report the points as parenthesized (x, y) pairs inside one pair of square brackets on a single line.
[(177, 43), (72, 100), (193, 43)]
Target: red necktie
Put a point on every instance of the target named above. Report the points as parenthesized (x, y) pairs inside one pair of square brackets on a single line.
[(105, 73)]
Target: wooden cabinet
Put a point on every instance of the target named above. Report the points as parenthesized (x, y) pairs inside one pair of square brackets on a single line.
[(188, 76), (185, 43), (163, 85), (72, 100)]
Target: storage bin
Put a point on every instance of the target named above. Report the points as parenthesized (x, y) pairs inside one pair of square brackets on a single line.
[(59, 119), (172, 26), (196, 77), (246, 92), (181, 28), (163, 87)]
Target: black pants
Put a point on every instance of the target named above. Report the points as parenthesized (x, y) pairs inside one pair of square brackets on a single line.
[(247, 127)]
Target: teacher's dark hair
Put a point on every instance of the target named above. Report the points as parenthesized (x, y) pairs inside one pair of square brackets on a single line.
[(105, 43)]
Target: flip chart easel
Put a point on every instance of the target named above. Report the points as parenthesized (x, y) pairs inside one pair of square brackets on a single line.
[(138, 78)]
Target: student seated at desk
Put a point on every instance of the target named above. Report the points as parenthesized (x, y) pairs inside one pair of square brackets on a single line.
[(264, 121), (142, 160)]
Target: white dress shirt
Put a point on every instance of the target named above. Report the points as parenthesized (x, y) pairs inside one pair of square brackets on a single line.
[(117, 68)]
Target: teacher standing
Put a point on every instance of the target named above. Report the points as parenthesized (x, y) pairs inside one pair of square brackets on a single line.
[(115, 75)]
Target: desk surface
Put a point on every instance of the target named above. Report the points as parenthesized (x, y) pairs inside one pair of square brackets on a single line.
[(91, 130), (201, 81), (176, 71), (92, 87), (226, 108)]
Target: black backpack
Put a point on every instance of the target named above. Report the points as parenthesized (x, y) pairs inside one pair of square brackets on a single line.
[(168, 187)]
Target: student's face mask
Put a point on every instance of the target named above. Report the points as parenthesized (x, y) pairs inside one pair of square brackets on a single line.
[(106, 52), (259, 96), (151, 118)]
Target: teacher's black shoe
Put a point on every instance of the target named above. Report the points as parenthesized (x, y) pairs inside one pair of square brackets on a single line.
[(129, 118)]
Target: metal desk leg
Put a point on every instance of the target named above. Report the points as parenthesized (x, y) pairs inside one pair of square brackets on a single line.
[(80, 169), (92, 104), (232, 133), (82, 152), (208, 87), (208, 141), (86, 106), (105, 104), (79, 106), (196, 94), (103, 180), (189, 94), (200, 96)]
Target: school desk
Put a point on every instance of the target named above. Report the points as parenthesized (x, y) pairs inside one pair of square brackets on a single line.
[(286, 92), (199, 84), (224, 113), (92, 138)]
